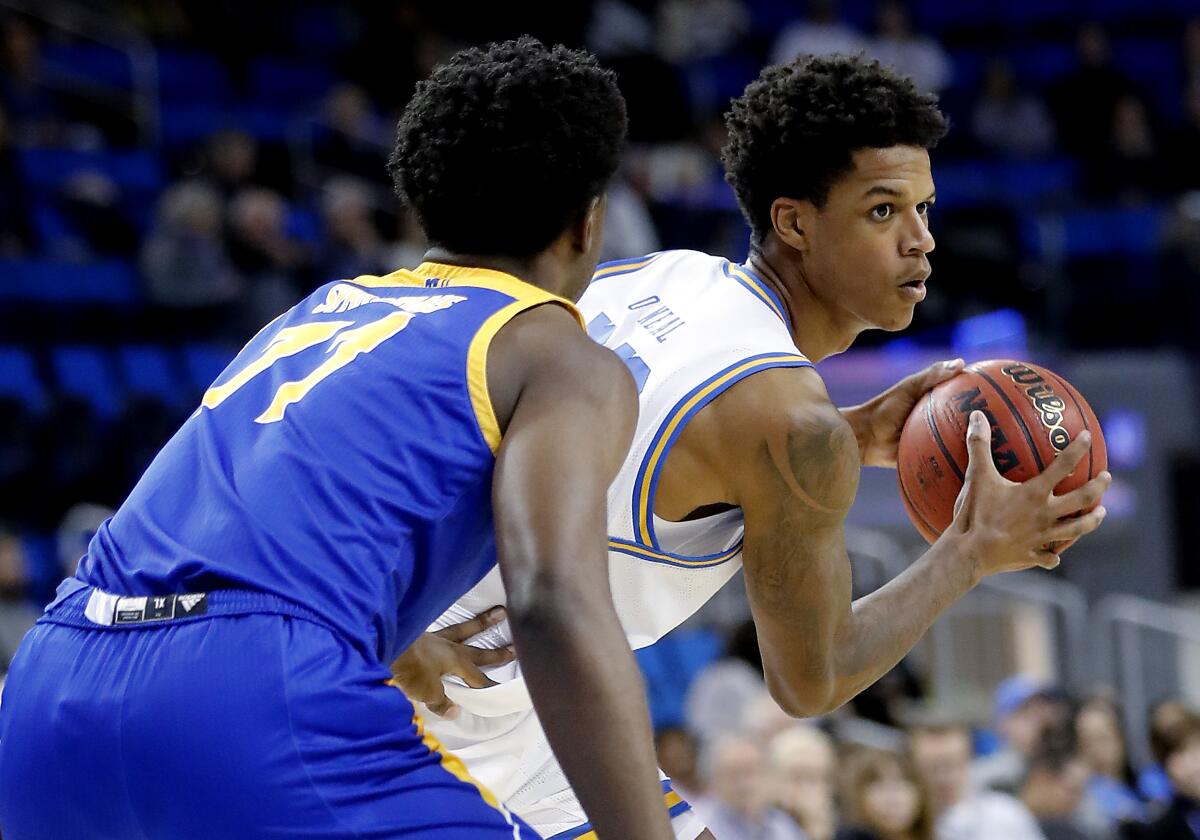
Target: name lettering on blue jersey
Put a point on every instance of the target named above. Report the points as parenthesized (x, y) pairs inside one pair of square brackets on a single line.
[(348, 340)]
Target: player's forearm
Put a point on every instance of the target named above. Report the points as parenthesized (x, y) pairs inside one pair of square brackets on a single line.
[(591, 701), (886, 624)]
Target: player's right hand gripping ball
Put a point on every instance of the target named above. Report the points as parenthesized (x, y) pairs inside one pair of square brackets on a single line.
[(1034, 414)]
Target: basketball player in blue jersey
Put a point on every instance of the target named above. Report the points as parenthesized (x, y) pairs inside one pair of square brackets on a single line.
[(740, 458), (218, 667)]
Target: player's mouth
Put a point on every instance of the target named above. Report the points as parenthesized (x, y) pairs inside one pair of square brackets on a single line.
[(914, 290)]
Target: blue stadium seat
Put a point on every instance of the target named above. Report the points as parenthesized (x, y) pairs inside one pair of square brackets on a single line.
[(1116, 231), (191, 78), (135, 172), (204, 363), (288, 83), (19, 377), (91, 63), (110, 283), (191, 124), (86, 372), (976, 182), (147, 371)]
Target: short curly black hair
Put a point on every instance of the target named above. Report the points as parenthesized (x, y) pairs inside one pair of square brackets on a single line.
[(795, 129), (504, 146)]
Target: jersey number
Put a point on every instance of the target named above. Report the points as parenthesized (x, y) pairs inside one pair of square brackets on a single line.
[(345, 346), (599, 329)]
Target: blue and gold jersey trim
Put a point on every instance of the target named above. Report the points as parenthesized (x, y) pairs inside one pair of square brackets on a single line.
[(616, 268), (646, 482), (745, 275), (675, 803), (434, 275)]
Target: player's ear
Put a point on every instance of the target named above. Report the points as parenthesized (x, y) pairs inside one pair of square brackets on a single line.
[(588, 232), (788, 218)]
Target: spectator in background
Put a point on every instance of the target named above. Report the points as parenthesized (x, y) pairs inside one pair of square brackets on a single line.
[(276, 268), (35, 110), (1054, 788), (1153, 783), (352, 245), (884, 799), (762, 718), (1084, 101), (802, 765), (16, 232), (354, 140), (231, 161), (737, 806), (679, 758), (75, 531), (1008, 121), (1176, 746), (718, 697), (694, 29), (941, 752), (1102, 746), (1182, 161), (919, 57), (1129, 166), (1024, 711), (92, 206), (628, 228), (1191, 53), (185, 267), (408, 250), (821, 32), (17, 615)]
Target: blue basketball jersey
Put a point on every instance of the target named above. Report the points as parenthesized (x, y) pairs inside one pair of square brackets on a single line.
[(343, 460)]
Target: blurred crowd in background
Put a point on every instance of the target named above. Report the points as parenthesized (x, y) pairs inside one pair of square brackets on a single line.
[(174, 173)]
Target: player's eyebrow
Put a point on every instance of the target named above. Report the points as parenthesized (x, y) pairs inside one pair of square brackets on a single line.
[(879, 189)]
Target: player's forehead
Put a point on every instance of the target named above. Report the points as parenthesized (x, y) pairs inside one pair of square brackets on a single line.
[(902, 171)]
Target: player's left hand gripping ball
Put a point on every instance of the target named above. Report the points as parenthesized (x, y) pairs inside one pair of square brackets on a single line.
[(877, 423)]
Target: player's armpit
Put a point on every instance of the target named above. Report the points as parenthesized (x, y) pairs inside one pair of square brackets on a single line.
[(795, 475)]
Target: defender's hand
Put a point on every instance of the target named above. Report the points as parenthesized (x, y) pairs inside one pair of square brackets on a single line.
[(419, 670), (1009, 526), (877, 423)]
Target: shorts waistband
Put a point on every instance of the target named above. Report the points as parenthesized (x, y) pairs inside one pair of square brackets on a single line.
[(92, 608)]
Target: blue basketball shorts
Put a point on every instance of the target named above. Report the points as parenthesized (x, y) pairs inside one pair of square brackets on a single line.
[(222, 715)]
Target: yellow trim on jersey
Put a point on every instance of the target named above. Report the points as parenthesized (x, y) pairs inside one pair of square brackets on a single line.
[(477, 387), (670, 797), (525, 296), (673, 421), (645, 552), (757, 289), (623, 266), (453, 765), (462, 275)]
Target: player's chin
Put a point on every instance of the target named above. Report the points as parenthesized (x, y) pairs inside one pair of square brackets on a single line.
[(898, 319)]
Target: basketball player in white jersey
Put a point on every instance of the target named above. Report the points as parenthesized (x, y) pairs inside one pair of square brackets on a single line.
[(740, 459)]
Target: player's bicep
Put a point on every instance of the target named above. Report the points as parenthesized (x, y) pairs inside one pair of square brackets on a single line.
[(798, 491)]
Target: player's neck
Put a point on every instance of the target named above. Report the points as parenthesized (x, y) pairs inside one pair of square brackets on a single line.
[(814, 329), (536, 270)]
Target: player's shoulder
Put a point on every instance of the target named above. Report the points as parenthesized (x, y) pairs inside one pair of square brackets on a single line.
[(659, 262)]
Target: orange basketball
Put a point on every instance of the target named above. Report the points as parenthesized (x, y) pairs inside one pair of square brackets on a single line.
[(1034, 414)]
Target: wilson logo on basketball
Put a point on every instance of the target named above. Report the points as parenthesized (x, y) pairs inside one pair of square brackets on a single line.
[(1049, 405)]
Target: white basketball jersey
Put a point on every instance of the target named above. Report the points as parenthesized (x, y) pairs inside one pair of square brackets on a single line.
[(688, 325)]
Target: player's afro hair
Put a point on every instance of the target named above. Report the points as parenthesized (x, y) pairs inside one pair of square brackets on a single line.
[(794, 130), (504, 146)]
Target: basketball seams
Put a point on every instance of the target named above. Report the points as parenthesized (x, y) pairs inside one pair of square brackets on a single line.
[(937, 438), (1037, 456), (1070, 391), (914, 510)]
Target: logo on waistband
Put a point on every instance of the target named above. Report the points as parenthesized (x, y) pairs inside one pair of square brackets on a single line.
[(159, 607)]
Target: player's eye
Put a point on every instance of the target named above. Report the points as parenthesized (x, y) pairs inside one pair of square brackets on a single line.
[(882, 211), (924, 207)]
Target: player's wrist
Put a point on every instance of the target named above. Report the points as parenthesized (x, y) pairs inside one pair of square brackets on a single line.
[(961, 554)]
